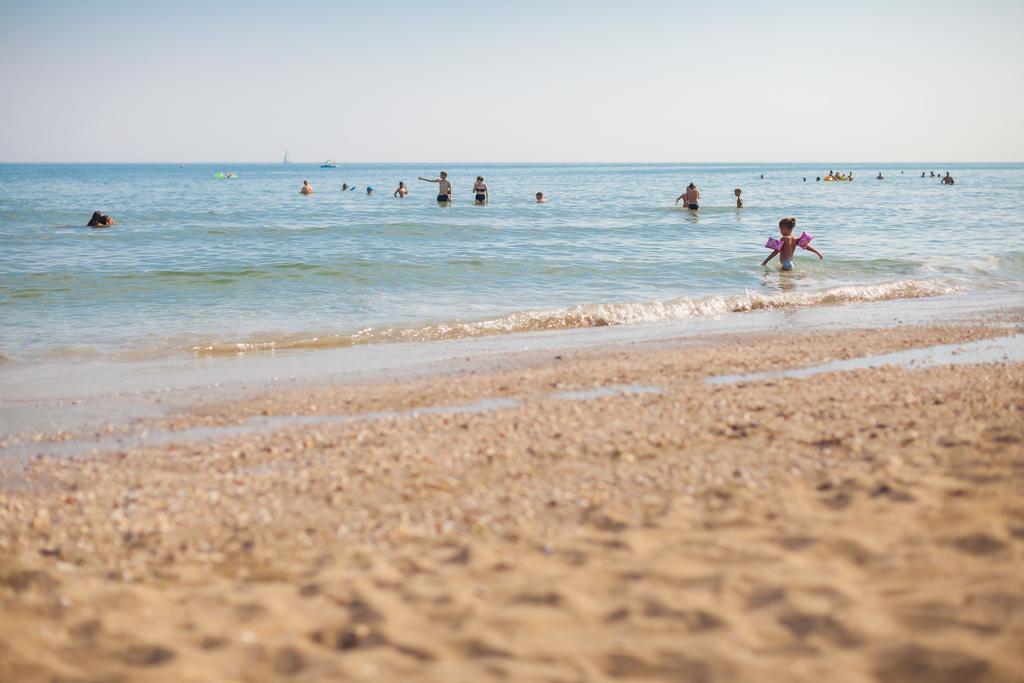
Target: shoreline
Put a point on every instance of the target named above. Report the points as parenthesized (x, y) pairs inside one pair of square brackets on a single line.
[(617, 517), (57, 400)]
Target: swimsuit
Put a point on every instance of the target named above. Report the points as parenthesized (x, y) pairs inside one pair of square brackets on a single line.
[(442, 197), (787, 264), (481, 195), (693, 206)]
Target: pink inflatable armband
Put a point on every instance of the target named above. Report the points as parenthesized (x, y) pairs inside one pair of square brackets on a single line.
[(773, 244), (804, 240)]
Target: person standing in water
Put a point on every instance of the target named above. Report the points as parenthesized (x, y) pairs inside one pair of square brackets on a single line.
[(306, 188), (947, 179), (401, 191), (540, 198), (444, 187), (739, 199), (691, 196), (480, 192)]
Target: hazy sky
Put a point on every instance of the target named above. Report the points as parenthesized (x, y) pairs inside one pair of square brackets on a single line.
[(640, 80)]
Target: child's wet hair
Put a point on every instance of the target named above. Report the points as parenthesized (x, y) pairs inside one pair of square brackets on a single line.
[(788, 223)]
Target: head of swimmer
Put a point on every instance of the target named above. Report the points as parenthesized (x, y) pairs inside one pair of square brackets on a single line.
[(540, 196), (737, 192), (691, 186), (479, 178), (787, 226), (444, 174)]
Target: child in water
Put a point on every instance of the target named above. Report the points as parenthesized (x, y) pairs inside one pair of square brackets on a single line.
[(786, 246), (739, 199)]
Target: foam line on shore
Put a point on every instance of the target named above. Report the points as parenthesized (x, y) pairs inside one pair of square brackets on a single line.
[(594, 315)]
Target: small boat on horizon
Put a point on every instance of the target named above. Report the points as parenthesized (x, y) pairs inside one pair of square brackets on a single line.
[(287, 159), (330, 163)]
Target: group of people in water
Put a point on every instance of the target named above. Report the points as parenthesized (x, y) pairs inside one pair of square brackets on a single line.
[(784, 246), (445, 193)]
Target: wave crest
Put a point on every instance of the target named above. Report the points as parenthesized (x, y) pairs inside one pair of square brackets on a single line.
[(592, 315)]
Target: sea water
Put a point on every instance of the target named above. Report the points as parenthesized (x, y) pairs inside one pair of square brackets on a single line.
[(198, 265)]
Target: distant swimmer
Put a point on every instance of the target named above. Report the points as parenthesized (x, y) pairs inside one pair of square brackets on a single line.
[(344, 187), (480, 192), (762, 176), (540, 198), (922, 174), (818, 179), (879, 176), (369, 190), (932, 174), (100, 220), (739, 199), (947, 179), (444, 187), (786, 247), (401, 191), (691, 196), (306, 188)]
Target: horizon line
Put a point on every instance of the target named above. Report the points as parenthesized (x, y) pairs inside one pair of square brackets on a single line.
[(518, 163)]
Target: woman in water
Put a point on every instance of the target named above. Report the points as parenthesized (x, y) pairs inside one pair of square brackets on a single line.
[(480, 190), (692, 197), (306, 188), (100, 220)]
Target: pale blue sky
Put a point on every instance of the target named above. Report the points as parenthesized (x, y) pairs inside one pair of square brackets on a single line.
[(643, 80)]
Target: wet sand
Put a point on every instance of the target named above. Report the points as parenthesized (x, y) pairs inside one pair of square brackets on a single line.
[(586, 515)]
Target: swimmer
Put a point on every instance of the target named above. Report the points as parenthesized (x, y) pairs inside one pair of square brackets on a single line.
[(739, 199), (369, 190), (922, 174), (306, 188), (444, 187), (99, 220), (540, 198), (762, 176), (344, 187), (947, 179), (401, 191), (788, 245), (879, 176), (480, 192), (818, 179), (692, 197)]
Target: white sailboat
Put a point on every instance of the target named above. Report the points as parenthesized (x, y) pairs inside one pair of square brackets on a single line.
[(287, 159)]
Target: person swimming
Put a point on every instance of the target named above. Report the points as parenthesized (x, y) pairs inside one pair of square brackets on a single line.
[(401, 191), (444, 187), (480, 191), (739, 199), (786, 246), (100, 220), (306, 188), (540, 198), (691, 196), (948, 179)]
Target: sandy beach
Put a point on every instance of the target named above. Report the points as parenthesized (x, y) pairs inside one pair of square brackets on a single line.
[(587, 515)]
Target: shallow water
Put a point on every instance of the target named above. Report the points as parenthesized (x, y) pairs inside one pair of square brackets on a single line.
[(197, 265)]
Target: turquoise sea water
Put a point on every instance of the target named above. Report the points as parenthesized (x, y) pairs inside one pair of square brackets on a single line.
[(197, 265)]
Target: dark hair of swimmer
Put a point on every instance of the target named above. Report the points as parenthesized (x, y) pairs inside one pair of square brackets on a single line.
[(691, 186), (97, 217)]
